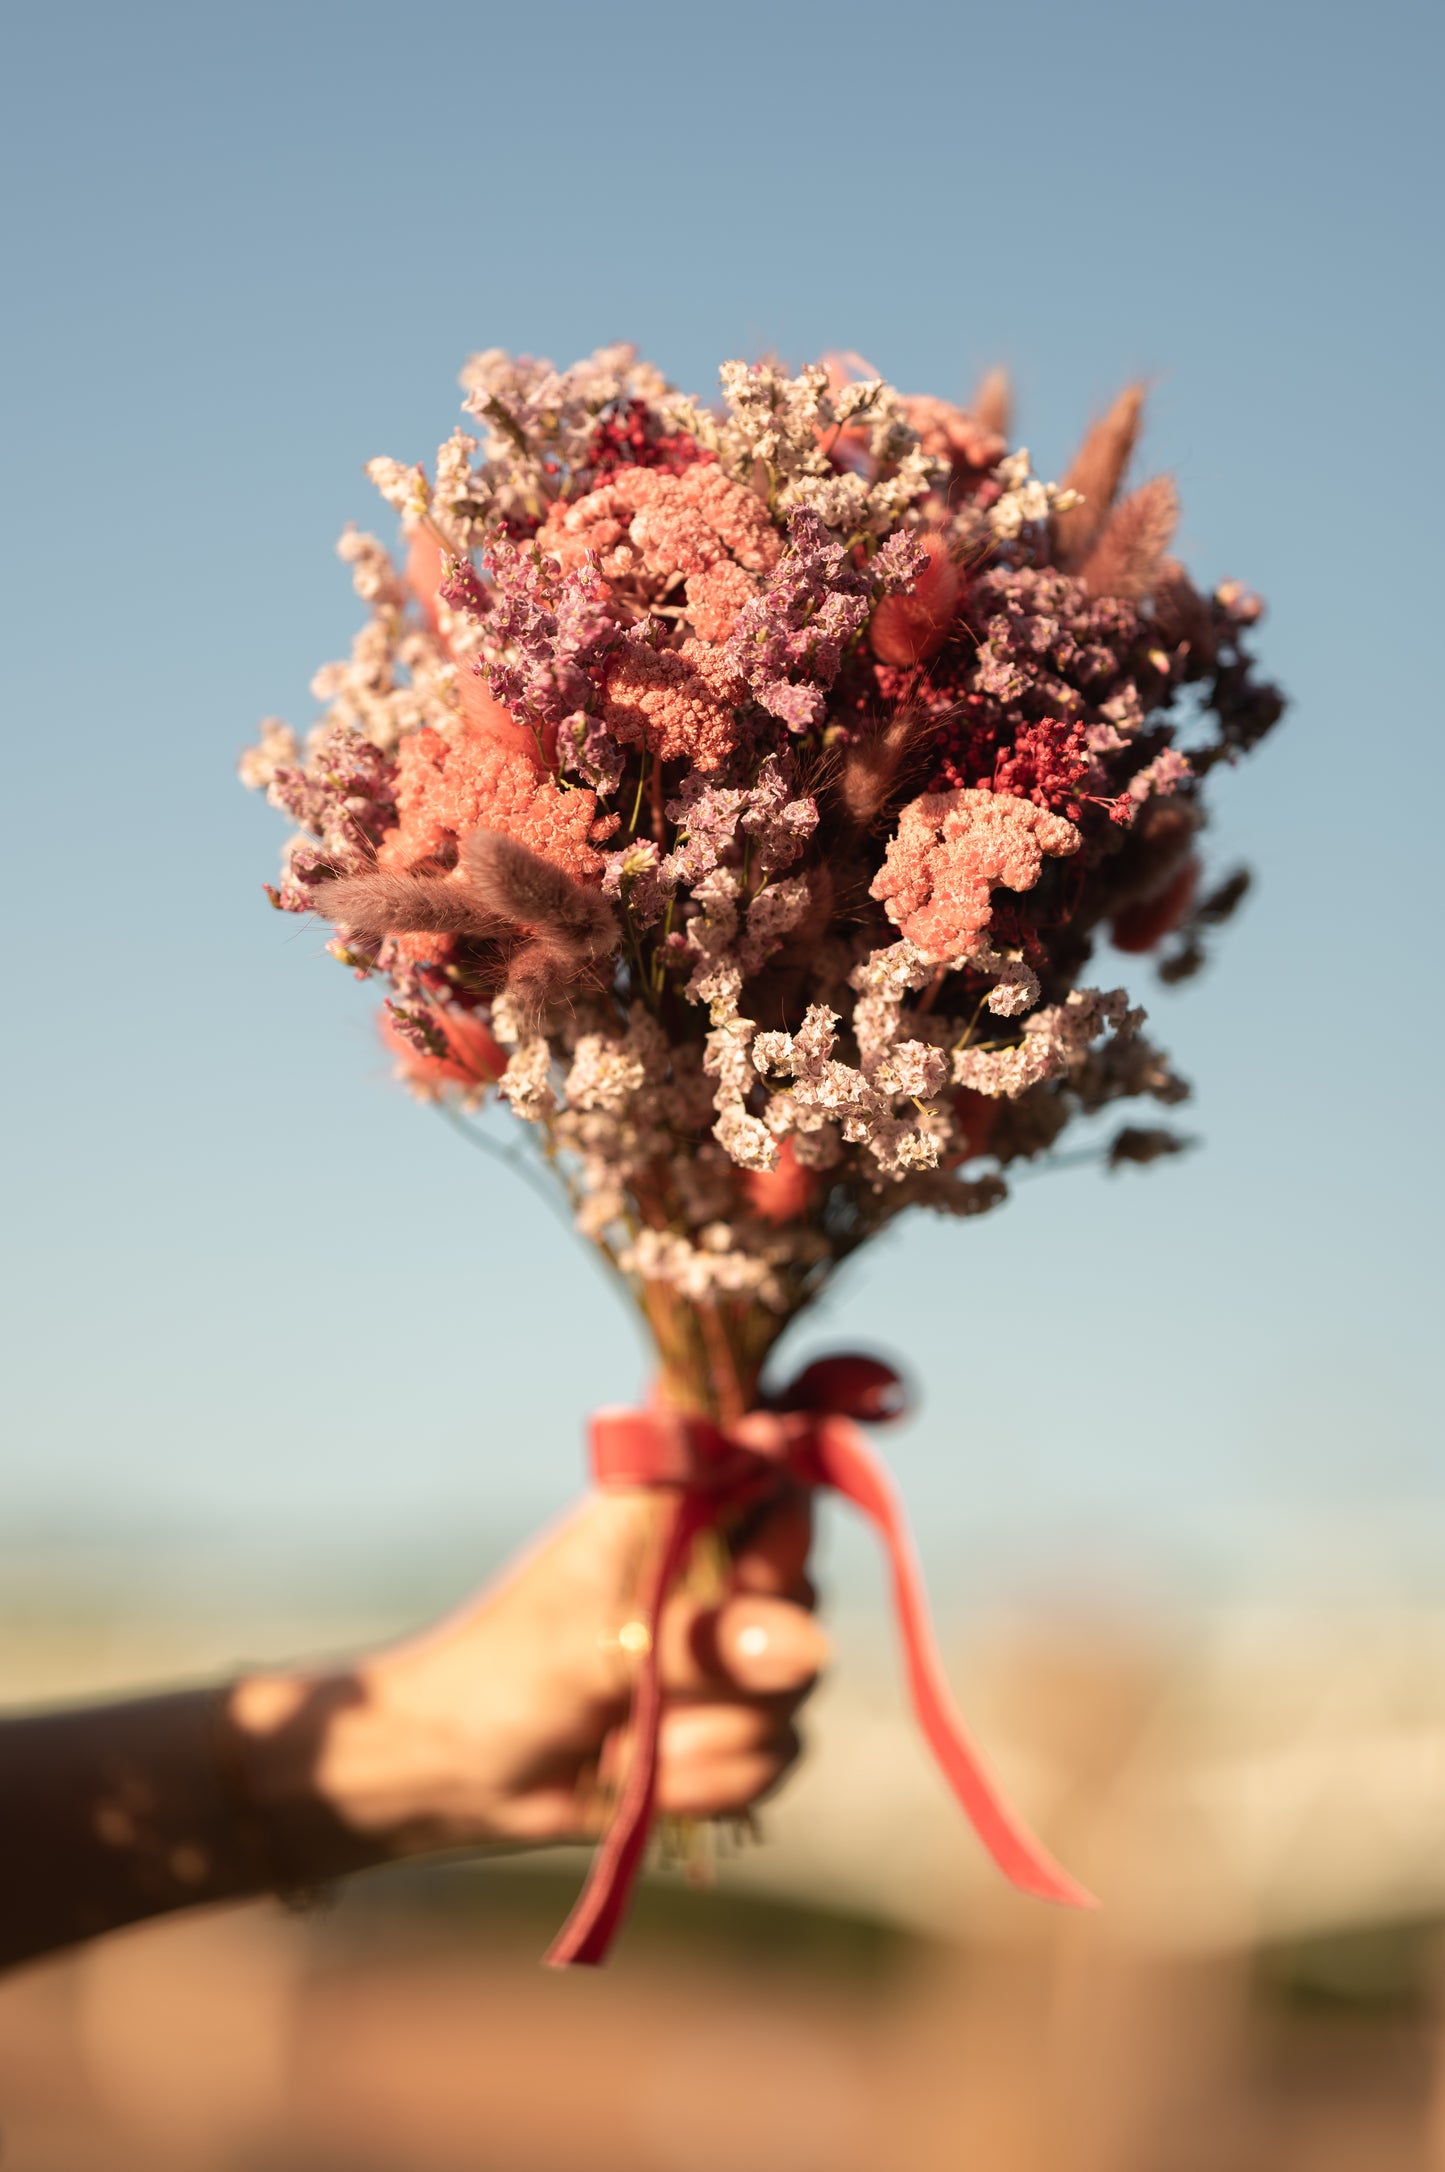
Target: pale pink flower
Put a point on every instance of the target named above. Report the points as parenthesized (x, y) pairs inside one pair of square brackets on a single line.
[(1168, 772), (647, 528), (951, 851), (448, 787), (681, 703)]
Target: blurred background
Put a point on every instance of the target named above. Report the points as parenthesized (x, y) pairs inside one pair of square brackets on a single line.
[(288, 1367)]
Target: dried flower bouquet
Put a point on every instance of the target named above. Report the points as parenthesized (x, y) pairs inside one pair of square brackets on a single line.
[(741, 793)]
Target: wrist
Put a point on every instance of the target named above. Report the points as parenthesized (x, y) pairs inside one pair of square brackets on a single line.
[(350, 1768), (317, 1774)]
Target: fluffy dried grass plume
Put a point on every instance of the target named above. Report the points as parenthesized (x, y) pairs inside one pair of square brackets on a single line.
[(910, 627), (1096, 472), (516, 885), (1181, 614), (992, 404), (1133, 544), (874, 771), (552, 931), (378, 904), (569, 928)]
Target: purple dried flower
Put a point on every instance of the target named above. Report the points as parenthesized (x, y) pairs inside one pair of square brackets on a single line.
[(462, 588), (415, 1025), (707, 816), (559, 625), (343, 798), (779, 825), (586, 745), (636, 878), (788, 642)]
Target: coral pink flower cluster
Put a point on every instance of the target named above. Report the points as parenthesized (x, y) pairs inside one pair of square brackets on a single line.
[(742, 792), (650, 529), (449, 784), (949, 854)]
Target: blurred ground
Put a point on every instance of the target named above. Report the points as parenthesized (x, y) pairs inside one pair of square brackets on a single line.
[(1258, 1802)]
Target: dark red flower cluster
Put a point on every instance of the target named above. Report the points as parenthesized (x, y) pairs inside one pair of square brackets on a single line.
[(629, 437)]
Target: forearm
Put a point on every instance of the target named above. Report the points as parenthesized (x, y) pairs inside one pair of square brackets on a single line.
[(113, 1813)]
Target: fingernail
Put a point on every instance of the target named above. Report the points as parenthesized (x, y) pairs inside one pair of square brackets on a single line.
[(778, 1647)]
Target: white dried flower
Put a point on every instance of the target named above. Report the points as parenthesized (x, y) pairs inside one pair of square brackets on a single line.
[(703, 1273), (742, 1136), (405, 489), (461, 499), (782, 424), (527, 1082), (717, 978), (509, 1024), (1055, 1041), (1016, 985), (601, 1210), (373, 575), (1024, 498), (912, 1068), (772, 915), (823, 1087), (275, 749), (605, 1074)]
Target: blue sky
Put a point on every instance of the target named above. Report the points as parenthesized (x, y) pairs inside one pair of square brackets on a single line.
[(249, 1283)]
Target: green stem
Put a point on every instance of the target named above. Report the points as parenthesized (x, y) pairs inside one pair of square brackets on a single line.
[(637, 803)]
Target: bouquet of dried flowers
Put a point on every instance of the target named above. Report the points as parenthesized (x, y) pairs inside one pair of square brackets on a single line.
[(740, 794)]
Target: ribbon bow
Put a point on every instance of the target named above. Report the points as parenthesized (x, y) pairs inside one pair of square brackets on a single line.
[(810, 1434)]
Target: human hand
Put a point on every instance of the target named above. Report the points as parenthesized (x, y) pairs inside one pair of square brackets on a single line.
[(507, 1721)]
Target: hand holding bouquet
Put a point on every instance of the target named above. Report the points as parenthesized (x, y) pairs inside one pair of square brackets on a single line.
[(741, 794)]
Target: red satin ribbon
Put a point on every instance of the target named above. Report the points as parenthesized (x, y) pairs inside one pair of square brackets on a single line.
[(810, 1435)]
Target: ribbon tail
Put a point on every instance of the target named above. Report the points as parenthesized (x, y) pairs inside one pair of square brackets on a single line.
[(585, 1937), (847, 1463)]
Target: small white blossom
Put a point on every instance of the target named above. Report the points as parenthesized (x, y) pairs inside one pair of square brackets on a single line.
[(1055, 1041), (604, 1075), (772, 915), (1024, 498), (405, 489), (527, 1082), (275, 749)]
